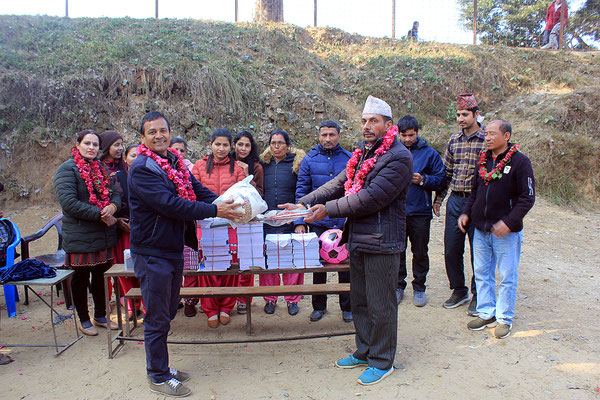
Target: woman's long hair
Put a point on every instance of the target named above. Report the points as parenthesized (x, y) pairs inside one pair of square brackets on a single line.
[(220, 132), (252, 156)]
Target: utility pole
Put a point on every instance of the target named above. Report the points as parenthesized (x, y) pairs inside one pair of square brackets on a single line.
[(315, 13), (236, 10), (561, 38), (156, 9), (474, 22), (67, 8), (393, 19)]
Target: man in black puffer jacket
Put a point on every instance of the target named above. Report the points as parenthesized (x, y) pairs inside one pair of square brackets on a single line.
[(373, 200)]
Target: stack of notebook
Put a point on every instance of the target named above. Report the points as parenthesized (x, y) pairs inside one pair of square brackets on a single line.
[(305, 250), (215, 246), (251, 253), (279, 250)]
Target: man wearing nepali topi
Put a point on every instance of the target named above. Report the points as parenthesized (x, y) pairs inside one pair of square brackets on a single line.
[(371, 194)]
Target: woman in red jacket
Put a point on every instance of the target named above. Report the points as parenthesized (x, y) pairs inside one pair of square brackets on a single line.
[(218, 172)]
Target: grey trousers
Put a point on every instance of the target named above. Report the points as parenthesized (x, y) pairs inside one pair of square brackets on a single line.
[(373, 280)]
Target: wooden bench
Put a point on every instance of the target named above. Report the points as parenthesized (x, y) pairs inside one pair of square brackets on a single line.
[(248, 292), (125, 333)]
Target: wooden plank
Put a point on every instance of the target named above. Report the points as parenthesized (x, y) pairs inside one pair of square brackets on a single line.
[(118, 270), (186, 292)]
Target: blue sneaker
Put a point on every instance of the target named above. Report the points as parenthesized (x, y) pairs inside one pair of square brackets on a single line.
[(373, 375), (350, 362)]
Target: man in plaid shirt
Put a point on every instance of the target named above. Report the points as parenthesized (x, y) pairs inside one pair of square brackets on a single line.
[(460, 162)]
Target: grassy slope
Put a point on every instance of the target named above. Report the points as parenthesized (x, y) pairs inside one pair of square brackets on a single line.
[(62, 75)]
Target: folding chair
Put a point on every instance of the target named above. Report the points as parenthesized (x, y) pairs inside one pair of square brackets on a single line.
[(11, 295), (54, 260)]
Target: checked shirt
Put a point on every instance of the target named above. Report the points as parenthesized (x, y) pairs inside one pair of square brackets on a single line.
[(460, 162)]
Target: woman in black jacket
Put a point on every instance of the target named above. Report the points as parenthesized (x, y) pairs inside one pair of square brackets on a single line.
[(281, 163), (88, 202)]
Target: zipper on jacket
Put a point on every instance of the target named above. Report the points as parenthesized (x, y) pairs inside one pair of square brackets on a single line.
[(379, 222), (155, 224), (487, 191)]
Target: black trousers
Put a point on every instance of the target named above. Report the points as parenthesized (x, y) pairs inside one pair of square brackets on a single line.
[(160, 282), (454, 246), (417, 230), (79, 287), (319, 301), (374, 308)]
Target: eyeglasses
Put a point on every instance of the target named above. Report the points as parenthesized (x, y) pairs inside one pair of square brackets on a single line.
[(278, 144)]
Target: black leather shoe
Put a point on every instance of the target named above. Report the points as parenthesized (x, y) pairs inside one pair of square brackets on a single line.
[(293, 309), (317, 315), (270, 307)]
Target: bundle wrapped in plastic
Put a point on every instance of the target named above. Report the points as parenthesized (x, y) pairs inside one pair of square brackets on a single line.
[(244, 193), (282, 217)]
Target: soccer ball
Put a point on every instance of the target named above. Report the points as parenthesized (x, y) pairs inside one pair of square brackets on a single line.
[(330, 249)]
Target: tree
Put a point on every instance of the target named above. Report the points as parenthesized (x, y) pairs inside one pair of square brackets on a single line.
[(586, 22), (510, 22), (268, 11)]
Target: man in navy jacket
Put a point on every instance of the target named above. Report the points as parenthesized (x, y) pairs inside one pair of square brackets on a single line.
[(161, 221), (428, 176), (322, 163), (503, 193)]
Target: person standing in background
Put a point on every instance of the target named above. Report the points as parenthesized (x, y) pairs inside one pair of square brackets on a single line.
[(281, 163), (460, 164), (428, 176), (323, 163), (246, 155)]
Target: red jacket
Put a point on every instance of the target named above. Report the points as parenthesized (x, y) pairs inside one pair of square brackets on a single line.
[(220, 178), (553, 15)]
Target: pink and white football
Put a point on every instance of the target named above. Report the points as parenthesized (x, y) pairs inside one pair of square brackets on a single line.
[(330, 249)]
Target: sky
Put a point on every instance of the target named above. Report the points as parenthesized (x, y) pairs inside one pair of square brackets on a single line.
[(439, 19), (370, 18)]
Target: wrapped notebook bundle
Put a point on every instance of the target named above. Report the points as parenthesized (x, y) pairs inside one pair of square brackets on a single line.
[(215, 246), (251, 253)]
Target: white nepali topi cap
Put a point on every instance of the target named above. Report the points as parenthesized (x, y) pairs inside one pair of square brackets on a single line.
[(373, 105)]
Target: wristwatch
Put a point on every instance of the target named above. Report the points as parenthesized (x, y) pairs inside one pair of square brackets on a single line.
[(422, 181)]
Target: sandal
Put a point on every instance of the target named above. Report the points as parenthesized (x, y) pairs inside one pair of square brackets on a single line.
[(4, 362)]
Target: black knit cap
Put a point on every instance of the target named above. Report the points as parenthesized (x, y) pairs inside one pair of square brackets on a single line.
[(107, 138)]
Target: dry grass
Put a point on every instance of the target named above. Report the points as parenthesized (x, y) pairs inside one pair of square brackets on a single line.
[(59, 76)]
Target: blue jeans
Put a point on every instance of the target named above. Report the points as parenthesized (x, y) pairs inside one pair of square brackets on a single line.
[(491, 251), (160, 282)]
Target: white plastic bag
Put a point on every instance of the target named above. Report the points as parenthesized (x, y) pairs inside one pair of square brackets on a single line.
[(243, 192)]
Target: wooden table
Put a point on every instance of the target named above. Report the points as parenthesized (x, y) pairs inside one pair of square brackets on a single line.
[(123, 333)]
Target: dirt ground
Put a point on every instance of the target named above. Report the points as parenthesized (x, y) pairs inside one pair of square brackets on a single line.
[(553, 352)]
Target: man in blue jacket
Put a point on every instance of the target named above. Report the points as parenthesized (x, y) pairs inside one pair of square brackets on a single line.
[(322, 163), (428, 176), (161, 221)]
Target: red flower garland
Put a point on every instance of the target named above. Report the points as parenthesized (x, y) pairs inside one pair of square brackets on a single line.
[(496, 173), (180, 176), (96, 179), (355, 183)]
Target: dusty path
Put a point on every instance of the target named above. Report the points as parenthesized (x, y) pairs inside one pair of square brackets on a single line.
[(553, 353)]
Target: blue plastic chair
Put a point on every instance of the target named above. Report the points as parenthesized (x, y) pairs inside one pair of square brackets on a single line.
[(11, 295)]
